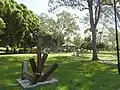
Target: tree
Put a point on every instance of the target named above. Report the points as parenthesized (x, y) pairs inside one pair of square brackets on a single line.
[(65, 27), (18, 20), (48, 26)]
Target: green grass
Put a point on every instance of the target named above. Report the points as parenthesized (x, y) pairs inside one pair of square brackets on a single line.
[(74, 73)]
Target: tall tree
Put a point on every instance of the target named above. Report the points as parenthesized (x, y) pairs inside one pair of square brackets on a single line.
[(66, 26), (18, 20), (48, 26)]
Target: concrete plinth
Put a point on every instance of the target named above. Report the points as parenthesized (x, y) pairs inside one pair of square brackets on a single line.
[(26, 83)]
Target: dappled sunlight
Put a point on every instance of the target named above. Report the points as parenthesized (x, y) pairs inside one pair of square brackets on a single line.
[(66, 59), (60, 54), (62, 88), (114, 70)]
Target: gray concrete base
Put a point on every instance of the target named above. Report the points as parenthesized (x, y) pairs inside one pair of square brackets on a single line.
[(26, 83)]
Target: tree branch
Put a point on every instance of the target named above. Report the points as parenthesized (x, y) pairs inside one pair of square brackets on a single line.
[(109, 4), (91, 13), (96, 12), (97, 17), (76, 4)]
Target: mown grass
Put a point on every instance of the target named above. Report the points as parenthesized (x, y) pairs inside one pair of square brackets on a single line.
[(74, 73)]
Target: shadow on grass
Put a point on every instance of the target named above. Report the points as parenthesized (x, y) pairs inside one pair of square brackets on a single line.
[(88, 75), (66, 59), (74, 73)]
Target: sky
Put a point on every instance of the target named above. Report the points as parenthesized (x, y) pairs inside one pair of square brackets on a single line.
[(37, 6)]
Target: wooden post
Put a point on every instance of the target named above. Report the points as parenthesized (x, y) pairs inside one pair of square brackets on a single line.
[(39, 60), (33, 65), (44, 57), (46, 75)]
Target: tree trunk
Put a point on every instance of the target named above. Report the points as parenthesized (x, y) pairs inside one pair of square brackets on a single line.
[(94, 57), (7, 49), (33, 65), (24, 50), (58, 45), (39, 60), (31, 50), (93, 30)]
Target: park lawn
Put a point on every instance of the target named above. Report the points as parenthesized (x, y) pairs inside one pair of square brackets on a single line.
[(74, 73)]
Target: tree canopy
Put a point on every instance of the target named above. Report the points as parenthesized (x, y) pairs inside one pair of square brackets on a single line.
[(17, 20)]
